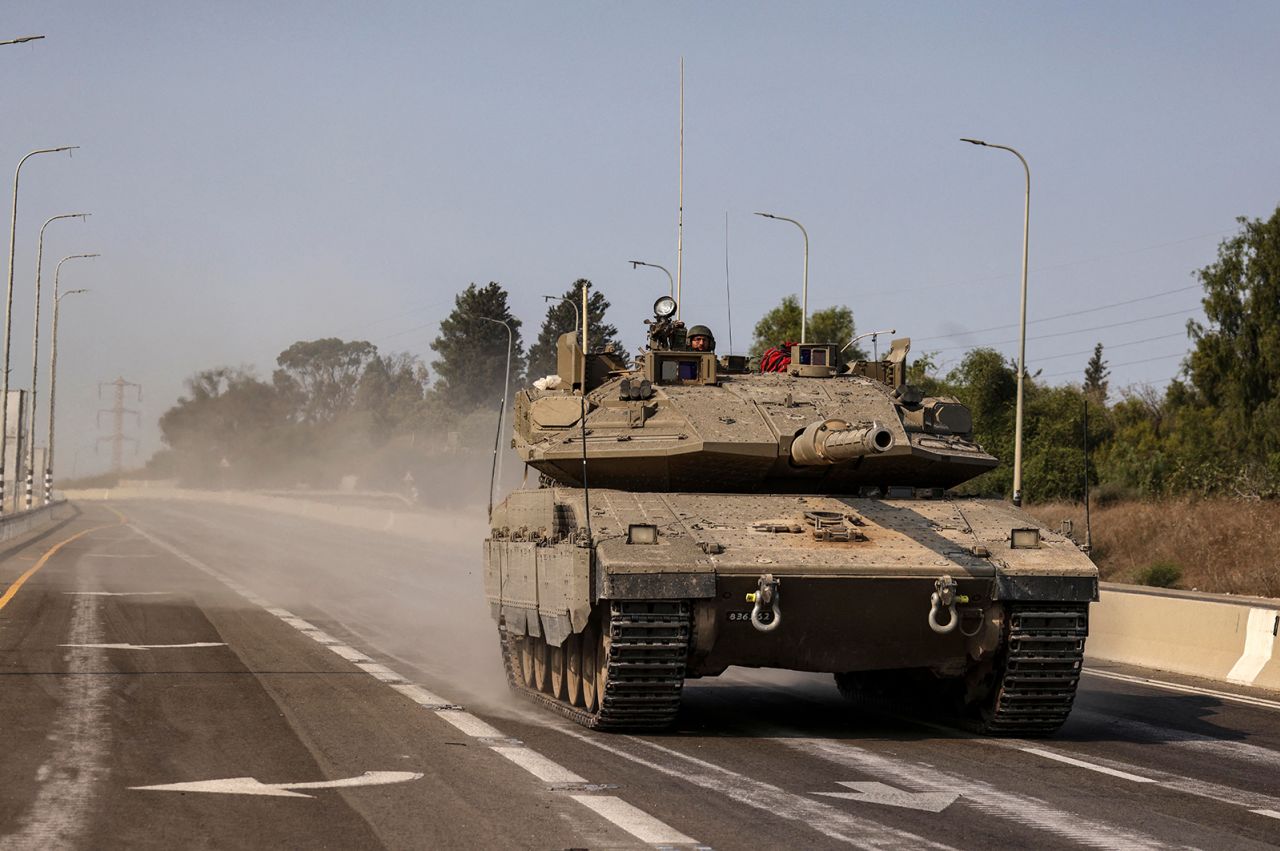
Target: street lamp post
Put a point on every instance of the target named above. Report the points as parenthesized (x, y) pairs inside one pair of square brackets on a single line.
[(804, 291), (636, 264), (8, 316), (53, 373), (1022, 336), (576, 318), (35, 358), (495, 473)]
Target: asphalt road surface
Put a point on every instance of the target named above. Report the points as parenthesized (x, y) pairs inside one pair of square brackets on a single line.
[(197, 676)]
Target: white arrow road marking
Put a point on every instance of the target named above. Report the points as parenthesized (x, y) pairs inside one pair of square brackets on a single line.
[(1267, 813), (116, 593), (250, 786), (879, 793), (147, 646)]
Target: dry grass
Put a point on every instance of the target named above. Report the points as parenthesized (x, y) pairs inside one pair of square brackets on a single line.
[(1221, 546)]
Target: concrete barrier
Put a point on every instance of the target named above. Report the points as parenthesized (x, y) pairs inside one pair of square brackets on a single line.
[(13, 525), (1215, 636)]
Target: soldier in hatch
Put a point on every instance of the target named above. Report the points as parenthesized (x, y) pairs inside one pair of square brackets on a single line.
[(701, 339)]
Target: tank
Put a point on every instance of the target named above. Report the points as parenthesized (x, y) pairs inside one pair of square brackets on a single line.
[(691, 515)]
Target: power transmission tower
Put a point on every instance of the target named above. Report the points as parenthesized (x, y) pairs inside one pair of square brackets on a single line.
[(117, 411)]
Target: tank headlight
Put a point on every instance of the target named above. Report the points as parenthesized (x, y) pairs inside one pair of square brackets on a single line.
[(642, 533), (1024, 539), (664, 307)]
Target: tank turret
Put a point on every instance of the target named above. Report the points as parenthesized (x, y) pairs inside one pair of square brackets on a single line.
[(682, 419)]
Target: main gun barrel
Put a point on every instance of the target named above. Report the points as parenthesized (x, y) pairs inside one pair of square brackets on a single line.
[(834, 441)]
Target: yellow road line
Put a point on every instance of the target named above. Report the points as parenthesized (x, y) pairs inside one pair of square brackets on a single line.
[(21, 580)]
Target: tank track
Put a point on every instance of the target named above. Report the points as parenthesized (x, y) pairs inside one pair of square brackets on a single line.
[(648, 646), (1043, 659)]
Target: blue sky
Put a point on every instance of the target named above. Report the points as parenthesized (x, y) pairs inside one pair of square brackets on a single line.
[(261, 173)]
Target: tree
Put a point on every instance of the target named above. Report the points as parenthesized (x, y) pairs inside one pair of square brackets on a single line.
[(1235, 365), (473, 351), (782, 324), (229, 427), (563, 316), (320, 377), (391, 391), (1096, 374)]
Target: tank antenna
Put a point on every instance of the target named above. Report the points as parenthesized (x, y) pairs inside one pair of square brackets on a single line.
[(582, 419), (728, 301), (680, 209)]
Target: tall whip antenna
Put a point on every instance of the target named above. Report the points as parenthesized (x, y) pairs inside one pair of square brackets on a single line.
[(728, 301), (680, 213), (582, 421)]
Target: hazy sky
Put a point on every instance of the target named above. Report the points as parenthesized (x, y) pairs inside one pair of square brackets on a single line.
[(263, 172)]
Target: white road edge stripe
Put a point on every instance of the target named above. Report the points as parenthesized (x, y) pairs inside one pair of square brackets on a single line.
[(634, 821), (1186, 689), (629, 818), (1267, 813), (1080, 763)]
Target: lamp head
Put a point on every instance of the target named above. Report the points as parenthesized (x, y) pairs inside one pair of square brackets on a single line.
[(975, 142)]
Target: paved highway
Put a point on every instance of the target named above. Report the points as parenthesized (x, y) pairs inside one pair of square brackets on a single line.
[(189, 675)]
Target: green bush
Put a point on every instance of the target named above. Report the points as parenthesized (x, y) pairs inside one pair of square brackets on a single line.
[(1160, 574)]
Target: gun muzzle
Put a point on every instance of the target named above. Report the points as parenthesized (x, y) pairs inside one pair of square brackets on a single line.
[(835, 441)]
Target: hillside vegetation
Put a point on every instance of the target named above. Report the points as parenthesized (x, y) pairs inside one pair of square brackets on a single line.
[(1223, 546)]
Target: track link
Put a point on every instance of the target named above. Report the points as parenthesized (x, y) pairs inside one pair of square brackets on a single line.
[(647, 644)]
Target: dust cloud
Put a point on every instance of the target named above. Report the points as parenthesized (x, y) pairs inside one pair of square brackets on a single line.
[(416, 603)]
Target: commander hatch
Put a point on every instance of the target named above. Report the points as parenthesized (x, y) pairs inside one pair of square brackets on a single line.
[(669, 360)]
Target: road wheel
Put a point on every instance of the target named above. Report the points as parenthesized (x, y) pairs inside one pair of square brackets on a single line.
[(602, 665), (539, 664), (526, 644), (556, 661), (590, 641), (573, 669)]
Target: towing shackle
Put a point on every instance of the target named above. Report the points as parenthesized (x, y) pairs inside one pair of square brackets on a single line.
[(765, 596), (944, 598)]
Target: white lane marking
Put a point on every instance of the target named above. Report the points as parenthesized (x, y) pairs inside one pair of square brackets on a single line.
[(349, 653), (828, 820), (115, 555), (871, 792), (1267, 813), (1259, 641), (116, 593), (634, 821), (464, 721), (421, 696), (147, 646), (381, 672), (1248, 700), (1022, 809), (1091, 766), (470, 724), (251, 786), (539, 766), (80, 741)]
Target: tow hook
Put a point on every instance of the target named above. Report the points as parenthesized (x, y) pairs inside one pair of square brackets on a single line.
[(766, 596), (944, 597)]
